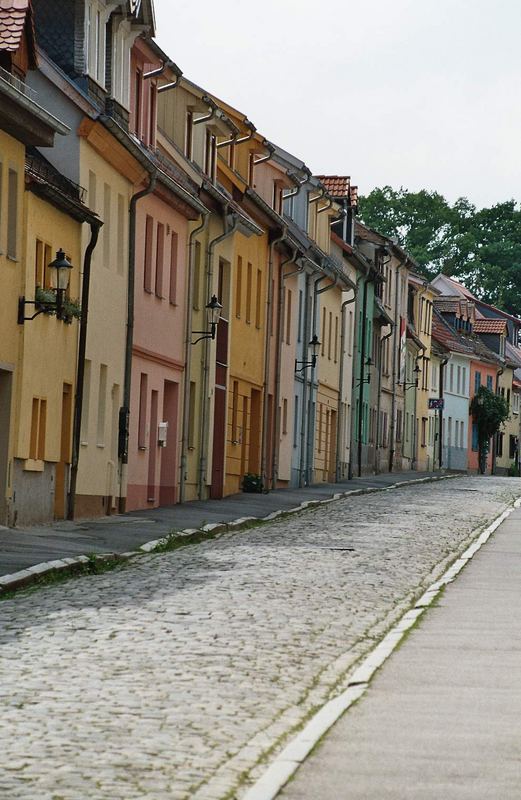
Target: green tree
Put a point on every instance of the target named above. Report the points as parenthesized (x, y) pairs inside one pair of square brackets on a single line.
[(489, 412), (482, 248)]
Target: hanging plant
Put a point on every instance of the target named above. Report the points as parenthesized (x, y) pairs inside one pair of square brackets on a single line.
[(71, 309), (45, 300)]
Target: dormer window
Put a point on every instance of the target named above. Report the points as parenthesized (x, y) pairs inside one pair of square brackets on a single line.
[(95, 40), (189, 133), (210, 154)]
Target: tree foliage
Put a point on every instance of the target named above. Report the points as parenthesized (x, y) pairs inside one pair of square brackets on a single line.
[(479, 247), (489, 412)]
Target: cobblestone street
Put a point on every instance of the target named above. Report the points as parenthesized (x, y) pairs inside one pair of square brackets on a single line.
[(172, 677)]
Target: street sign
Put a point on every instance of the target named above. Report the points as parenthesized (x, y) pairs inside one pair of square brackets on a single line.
[(436, 403)]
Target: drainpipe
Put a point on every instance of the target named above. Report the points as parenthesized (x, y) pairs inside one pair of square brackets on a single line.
[(156, 73), (443, 364), (415, 425), (361, 376), (188, 359), (213, 109), (80, 366), (396, 348), (267, 354), (495, 438), (340, 426), (309, 464), (356, 348), (280, 335), (379, 395), (124, 413), (234, 140), (270, 148), (203, 459)]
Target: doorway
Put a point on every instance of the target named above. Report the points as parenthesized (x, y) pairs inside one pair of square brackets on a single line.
[(62, 467), (168, 479), (6, 382)]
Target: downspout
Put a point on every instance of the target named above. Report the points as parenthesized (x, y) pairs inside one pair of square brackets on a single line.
[(213, 109), (188, 357), (340, 426), (233, 140), (379, 395), (361, 376), (309, 465), (280, 336), (356, 348), (443, 364), (124, 414), (396, 346), (203, 459), (80, 366), (496, 436), (267, 354), (415, 425)]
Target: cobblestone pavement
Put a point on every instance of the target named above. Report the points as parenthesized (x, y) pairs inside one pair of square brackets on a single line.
[(172, 677)]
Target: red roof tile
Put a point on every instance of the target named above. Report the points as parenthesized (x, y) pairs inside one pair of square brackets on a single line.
[(490, 325), (13, 15), (336, 185)]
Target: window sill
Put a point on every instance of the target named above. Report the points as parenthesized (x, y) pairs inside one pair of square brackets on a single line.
[(14, 259), (84, 444), (101, 446), (34, 465)]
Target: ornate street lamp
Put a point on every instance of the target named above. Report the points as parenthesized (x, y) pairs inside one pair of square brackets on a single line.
[(314, 345), (59, 274), (213, 314)]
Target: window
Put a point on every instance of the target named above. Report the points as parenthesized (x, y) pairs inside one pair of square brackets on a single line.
[(499, 444), (174, 244), (451, 378), (38, 429), (489, 383), (238, 288), (320, 427), (464, 380), (191, 416), (102, 405), (235, 411), (210, 154), (295, 423), (248, 292), (399, 425), (43, 257), (149, 233), (197, 276), (251, 169), (323, 331), (258, 300), (284, 416), (121, 254), (160, 258), (329, 335), (142, 421), (424, 432), (189, 133), (449, 432), (92, 190), (84, 435), (475, 439), (456, 433), (336, 340), (512, 446), (12, 214), (106, 225), (461, 434), (152, 116), (95, 41), (477, 381), (299, 334), (288, 317), (458, 384)]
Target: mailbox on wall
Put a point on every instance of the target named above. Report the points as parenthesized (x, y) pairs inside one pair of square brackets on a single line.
[(162, 434)]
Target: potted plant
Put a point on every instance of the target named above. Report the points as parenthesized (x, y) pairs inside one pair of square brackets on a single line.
[(252, 482)]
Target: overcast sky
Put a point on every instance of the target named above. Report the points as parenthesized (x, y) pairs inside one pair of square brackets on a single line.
[(413, 93)]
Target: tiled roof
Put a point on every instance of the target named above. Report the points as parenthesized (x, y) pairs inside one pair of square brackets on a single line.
[(336, 185), (490, 325), (13, 14), (448, 337), (363, 232)]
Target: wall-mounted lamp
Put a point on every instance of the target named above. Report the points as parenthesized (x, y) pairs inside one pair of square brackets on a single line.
[(314, 345), (414, 383), (59, 272), (368, 363), (213, 314)]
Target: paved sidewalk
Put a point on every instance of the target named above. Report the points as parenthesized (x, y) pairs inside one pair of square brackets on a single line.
[(21, 548), (442, 719)]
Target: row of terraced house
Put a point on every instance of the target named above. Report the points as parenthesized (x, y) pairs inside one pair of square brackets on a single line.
[(188, 311)]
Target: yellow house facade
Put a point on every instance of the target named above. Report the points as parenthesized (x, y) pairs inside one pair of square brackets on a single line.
[(47, 358)]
